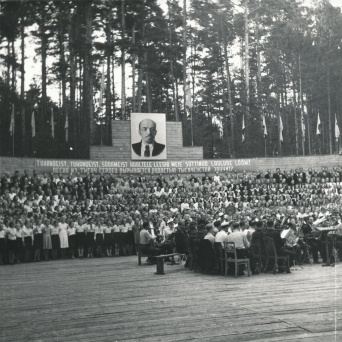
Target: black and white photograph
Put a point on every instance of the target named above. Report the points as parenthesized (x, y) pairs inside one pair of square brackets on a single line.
[(148, 134), (170, 170)]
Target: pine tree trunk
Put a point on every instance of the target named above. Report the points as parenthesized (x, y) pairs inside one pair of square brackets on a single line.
[(133, 69), (22, 88), (247, 140), (301, 104), (8, 74), (295, 113), (13, 67), (175, 106), (43, 52), (108, 94), (184, 65), (71, 34), (89, 127), (139, 91), (62, 65), (123, 63), (329, 110), (229, 93), (113, 86)]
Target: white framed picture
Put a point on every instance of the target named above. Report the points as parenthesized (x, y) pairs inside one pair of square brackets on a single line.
[(148, 136)]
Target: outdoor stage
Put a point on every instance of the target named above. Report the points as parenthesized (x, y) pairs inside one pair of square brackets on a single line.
[(113, 299)]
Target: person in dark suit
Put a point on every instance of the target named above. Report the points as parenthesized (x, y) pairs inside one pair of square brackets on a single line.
[(279, 243), (148, 147)]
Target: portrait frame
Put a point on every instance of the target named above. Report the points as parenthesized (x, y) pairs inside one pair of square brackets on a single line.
[(138, 137)]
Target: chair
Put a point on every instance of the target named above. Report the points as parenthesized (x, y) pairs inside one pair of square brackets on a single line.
[(307, 257), (271, 254), (231, 257), (219, 257), (257, 254), (206, 256)]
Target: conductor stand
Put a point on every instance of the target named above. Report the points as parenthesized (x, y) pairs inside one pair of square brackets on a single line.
[(334, 251), (294, 267)]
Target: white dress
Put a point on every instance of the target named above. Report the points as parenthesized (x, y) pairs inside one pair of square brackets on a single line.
[(63, 235)]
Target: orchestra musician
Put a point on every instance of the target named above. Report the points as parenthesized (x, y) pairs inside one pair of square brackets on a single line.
[(279, 243), (312, 237)]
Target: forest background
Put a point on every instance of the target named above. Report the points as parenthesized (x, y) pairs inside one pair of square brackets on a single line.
[(225, 69)]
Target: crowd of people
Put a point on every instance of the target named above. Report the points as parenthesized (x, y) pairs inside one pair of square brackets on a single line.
[(44, 217)]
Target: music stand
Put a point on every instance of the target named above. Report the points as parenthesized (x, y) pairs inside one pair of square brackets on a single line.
[(294, 268)]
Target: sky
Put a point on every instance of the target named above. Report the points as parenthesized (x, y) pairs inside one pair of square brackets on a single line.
[(53, 91)]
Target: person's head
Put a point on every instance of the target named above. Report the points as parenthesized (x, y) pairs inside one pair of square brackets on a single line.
[(270, 224), (225, 226), (147, 131), (236, 225), (209, 228), (259, 225)]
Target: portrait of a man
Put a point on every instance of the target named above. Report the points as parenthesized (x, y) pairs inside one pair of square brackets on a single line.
[(150, 128)]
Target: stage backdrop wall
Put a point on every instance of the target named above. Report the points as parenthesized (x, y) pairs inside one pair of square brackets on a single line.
[(184, 167), (121, 141)]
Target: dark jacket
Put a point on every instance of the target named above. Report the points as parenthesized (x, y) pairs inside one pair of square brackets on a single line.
[(275, 235), (157, 148)]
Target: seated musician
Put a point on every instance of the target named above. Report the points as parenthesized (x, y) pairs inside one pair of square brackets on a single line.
[(240, 240), (259, 235), (210, 233), (222, 235), (279, 243), (202, 232), (147, 243), (295, 241), (312, 238), (181, 237), (241, 245)]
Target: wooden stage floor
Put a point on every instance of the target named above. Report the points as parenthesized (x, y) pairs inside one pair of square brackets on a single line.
[(113, 299)]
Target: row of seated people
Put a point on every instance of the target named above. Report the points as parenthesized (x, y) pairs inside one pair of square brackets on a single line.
[(305, 237)]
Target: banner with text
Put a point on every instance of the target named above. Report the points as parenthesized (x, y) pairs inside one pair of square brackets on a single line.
[(146, 167)]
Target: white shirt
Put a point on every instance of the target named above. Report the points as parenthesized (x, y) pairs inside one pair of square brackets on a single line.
[(222, 237), (210, 237)]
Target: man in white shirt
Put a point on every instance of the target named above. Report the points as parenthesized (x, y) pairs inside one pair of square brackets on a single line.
[(210, 233), (222, 235), (146, 243)]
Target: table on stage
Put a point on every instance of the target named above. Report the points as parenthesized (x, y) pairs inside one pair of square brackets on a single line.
[(328, 229)]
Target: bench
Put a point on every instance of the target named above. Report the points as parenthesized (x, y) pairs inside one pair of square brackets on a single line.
[(161, 260)]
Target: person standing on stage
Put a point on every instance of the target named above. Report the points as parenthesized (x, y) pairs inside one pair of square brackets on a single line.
[(63, 236), (38, 239), (72, 239), (2, 241), (47, 243)]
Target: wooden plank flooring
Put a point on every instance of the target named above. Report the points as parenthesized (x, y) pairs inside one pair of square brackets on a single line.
[(113, 299)]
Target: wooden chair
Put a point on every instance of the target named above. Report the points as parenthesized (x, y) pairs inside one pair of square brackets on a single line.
[(219, 257), (271, 254), (206, 256), (257, 254), (231, 257)]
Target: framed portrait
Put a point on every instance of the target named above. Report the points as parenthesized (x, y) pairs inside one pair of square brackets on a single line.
[(148, 136)]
